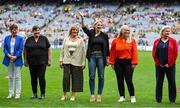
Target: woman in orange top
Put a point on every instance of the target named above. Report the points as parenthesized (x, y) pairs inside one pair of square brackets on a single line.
[(123, 59)]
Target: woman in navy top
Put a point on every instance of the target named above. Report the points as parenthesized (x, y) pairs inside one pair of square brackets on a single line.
[(165, 51)]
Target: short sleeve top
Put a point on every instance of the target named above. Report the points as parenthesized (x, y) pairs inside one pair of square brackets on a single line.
[(37, 52)]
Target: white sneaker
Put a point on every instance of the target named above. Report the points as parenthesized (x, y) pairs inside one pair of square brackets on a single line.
[(10, 96), (121, 99), (92, 98), (72, 98), (17, 96), (133, 99), (98, 98), (63, 98)]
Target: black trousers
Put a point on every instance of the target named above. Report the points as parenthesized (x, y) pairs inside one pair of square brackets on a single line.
[(38, 72), (76, 74), (123, 71), (170, 74)]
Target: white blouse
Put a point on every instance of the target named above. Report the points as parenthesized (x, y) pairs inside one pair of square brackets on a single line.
[(12, 47), (72, 45)]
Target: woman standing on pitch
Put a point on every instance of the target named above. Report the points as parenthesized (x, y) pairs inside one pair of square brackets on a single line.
[(97, 55), (38, 56), (72, 60), (13, 47), (123, 59), (165, 51)]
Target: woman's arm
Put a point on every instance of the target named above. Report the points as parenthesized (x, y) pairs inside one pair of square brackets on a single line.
[(175, 50), (154, 52), (5, 49), (134, 53), (62, 54), (20, 50), (107, 49), (82, 19), (48, 46), (61, 57), (107, 44), (84, 54), (85, 29), (49, 56), (25, 57), (112, 53)]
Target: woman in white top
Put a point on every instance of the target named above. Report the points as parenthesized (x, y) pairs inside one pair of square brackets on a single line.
[(13, 47), (72, 60)]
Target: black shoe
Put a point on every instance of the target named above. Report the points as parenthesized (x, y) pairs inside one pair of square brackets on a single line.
[(42, 96), (172, 102), (34, 96), (158, 101)]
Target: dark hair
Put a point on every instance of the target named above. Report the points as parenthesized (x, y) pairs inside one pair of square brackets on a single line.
[(35, 28), (13, 26)]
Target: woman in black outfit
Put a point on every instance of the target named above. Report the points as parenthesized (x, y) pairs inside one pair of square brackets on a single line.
[(37, 57), (97, 55)]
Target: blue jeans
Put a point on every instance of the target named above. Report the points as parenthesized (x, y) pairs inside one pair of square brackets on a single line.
[(96, 60)]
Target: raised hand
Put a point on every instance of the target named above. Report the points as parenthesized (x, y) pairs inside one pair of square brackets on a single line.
[(82, 18), (81, 14)]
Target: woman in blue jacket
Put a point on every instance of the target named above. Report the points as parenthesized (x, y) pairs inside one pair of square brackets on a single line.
[(13, 47)]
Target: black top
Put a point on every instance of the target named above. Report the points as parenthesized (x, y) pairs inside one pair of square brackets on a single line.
[(97, 43), (104, 40), (162, 52), (37, 52)]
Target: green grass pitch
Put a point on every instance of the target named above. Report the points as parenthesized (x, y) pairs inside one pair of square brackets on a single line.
[(144, 82)]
